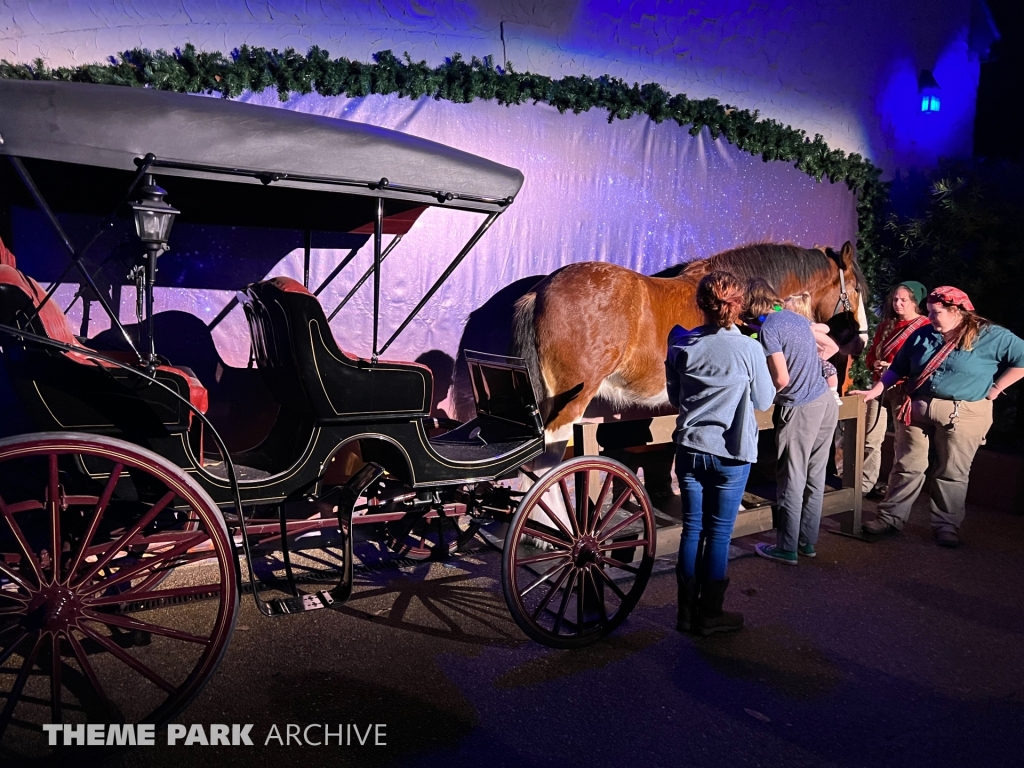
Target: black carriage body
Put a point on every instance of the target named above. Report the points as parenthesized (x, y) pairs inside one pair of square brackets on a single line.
[(238, 164), (326, 400)]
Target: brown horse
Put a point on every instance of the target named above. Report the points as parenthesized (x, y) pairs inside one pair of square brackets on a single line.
[(599, 330)]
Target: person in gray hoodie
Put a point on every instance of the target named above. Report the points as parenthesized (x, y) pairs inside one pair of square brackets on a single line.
[(717, 378)]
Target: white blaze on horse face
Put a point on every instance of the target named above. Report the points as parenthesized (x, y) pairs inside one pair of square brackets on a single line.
[(862, 318), (860, 341)]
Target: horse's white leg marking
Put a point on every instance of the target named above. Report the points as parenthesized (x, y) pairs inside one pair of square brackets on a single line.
[(556, 441), (619, 395), (659, 399), (560, 435)]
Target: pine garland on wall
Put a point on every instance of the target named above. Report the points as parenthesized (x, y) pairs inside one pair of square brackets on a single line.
[(256, 69)]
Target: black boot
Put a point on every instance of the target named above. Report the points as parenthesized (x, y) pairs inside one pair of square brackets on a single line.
[(687, 598), (710, 618)]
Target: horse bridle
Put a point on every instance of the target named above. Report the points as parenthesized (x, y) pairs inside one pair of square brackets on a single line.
[(844, 301), (844, 295)]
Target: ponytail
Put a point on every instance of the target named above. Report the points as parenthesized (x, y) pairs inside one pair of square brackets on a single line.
[(720, 298)]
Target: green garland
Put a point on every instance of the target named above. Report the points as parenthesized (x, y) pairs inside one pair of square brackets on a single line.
[(256, 69)]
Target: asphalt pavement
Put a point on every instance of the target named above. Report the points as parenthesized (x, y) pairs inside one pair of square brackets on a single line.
[(897, 653)]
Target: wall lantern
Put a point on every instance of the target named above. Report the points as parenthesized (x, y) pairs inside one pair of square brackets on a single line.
[(928, 89)]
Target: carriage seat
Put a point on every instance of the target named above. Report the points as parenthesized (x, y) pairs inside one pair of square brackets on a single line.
[(307, 369), (19, 292)]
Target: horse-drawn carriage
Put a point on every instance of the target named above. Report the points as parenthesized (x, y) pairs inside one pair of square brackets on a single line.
[(130, 529)]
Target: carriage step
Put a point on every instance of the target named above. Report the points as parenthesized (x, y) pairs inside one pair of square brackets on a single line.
[(311, 602)]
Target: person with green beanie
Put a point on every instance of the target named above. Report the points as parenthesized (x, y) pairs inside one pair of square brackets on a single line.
[(901, 316)]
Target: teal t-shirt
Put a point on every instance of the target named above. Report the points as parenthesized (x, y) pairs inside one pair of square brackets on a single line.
[(963, 375)]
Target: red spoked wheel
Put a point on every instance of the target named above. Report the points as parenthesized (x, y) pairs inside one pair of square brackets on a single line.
[(579, 552), (118, 591)]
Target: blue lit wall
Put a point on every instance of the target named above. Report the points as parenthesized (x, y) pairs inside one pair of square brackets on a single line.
[(843, 69)]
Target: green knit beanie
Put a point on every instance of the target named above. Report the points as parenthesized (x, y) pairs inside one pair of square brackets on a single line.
[(916, 289)]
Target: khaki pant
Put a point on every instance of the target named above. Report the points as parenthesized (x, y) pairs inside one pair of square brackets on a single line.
[(876, 420), (954, 448)]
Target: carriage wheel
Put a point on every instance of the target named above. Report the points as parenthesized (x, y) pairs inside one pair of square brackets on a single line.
[(99, 623), (579, 552)]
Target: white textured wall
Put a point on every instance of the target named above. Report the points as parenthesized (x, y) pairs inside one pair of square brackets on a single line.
[(845, 69)]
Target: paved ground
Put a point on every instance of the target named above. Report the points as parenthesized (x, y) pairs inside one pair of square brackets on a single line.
[(893, 654)]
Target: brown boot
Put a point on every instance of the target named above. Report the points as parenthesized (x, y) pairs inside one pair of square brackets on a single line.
[(711, 619)]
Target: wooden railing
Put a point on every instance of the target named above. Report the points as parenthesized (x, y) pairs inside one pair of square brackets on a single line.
[(844, 502)]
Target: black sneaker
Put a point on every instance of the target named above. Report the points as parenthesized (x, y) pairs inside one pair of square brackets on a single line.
[(875, 494), (948, 539)]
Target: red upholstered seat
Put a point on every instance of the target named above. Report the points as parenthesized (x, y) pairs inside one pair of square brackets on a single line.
[(6, 257), (56, 326)]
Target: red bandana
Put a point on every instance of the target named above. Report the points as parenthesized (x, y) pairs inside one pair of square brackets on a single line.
[(947, 294)]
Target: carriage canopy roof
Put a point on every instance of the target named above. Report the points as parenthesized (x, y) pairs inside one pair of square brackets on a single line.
[(213, 141)]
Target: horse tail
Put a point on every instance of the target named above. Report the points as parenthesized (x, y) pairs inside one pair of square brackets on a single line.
[(524, 339)]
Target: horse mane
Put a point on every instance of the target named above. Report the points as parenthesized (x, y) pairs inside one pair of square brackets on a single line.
[(773, 261)]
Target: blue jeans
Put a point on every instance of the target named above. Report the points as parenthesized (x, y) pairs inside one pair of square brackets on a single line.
[(712, 489)]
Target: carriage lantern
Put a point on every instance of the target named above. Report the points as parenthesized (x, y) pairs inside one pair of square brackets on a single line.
[(153, 217), (153, 221)]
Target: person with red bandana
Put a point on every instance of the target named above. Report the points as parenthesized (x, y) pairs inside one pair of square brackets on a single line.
[(954, 367)]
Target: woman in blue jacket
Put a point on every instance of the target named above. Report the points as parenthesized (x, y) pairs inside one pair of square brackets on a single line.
[(717, 377)]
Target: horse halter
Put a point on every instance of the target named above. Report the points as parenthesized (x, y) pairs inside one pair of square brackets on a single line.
[(843, 324), (844, 296)]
